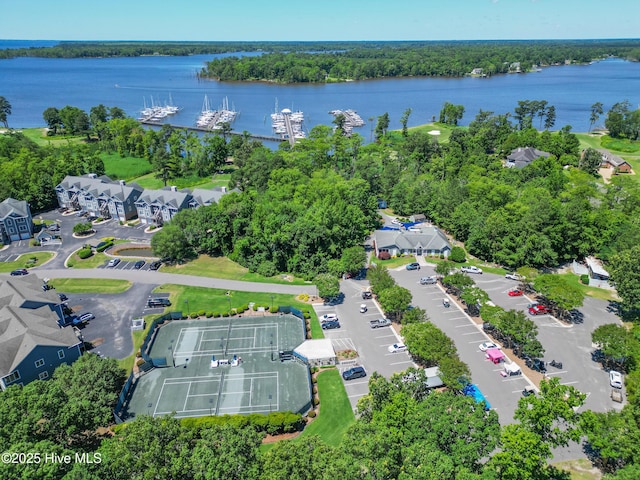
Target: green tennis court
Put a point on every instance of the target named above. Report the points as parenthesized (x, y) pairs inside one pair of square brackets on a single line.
[(224, 366)]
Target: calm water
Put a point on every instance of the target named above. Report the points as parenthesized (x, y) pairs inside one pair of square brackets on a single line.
[(33, 84)]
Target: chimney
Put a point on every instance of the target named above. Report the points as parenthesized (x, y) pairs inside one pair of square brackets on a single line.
[(122, 182), (174, 188), (92, 175), (224, 189)]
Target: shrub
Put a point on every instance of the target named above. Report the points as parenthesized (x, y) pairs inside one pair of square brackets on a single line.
[(457, 255), (255, 307), (307, 315), (274, 309), (209, 314), (267, 269), (384, 255), (316, 401), (225, 314), (312, 414), (34, 243), (242, 308), (102, 246), (201, 313), (315, 389), (584, 279), (85, 253)]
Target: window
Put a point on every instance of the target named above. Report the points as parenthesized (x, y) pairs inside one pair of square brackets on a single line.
[(39, 363), (12, 377), (60, 353), (43, 375)]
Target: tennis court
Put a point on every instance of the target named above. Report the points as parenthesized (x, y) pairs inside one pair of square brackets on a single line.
[(224, 366)]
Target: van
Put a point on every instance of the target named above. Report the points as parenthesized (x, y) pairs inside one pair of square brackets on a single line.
[(158, 302), (428, 280)]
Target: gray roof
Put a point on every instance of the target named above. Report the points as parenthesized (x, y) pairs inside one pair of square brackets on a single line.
[(206, 196), (612, 159), (101, 186), (428, 238), (11, 206), (177, 199), (523, 156), (22, 328)]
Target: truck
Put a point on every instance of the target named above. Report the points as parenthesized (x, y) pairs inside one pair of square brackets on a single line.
[(380, 322)]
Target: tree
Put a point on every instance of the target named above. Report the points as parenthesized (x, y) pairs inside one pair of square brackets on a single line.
[(394, 301), (620, 346), (82, 228), (444, 268), (596, 111), (450, 114), (550, 119), (427, 343), (52, 118), (559, 291), (379, 278), (328, 285), (382, 126), (474, 298), (590, 161), (171, 243), (414, 315), (457, 255), (625, 273), (404, 119), (353, 259), (5, 111), (552, 414)]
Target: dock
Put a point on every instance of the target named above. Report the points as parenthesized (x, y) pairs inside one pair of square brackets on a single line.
[(351, 120), (154, 123), (288, 125)]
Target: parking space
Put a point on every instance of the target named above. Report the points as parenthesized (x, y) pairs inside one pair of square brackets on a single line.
[(356, 334)]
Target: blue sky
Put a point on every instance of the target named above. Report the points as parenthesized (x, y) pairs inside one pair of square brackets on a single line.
[(228, 20)]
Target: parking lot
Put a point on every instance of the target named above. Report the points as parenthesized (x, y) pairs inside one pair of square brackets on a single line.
[(356, 334), (569, 344)]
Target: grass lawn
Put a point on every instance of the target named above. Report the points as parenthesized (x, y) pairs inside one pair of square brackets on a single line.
[(194, 299), (445, 130), (191, 181), (394, 262), (90, 285), (599, 293), (25, 261), (39, 136), (125, 168), (93, 261), (336, 414), (580, 469), (138, 338), (222, 267)]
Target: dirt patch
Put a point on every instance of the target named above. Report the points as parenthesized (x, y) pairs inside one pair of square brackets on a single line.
[(276, 438), (581, 469)]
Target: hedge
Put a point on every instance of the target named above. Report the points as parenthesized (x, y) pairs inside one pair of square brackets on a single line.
[(273, 424), (85, 253)]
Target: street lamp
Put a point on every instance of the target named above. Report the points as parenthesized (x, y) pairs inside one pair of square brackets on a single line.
[(186, 302), (173, 359), (271, 302)]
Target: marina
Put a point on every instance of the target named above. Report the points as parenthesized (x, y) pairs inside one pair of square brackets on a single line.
[(214, 119), (157, 112), (351, 120), (288, 124)]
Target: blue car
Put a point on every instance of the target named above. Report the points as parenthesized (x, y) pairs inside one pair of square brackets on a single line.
[(413, 266), (330, 324), (473, 391)]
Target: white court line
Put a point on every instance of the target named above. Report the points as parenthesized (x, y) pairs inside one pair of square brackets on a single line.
[(556, 373), (384, 336), (251, 391), (200, 337), (187, 398)]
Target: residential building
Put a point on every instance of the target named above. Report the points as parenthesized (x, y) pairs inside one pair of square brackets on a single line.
[(155, 207), (99, 196), (15, 220), (32, 345), (426, 240), (609, 160), (523, 156), (206, 196)]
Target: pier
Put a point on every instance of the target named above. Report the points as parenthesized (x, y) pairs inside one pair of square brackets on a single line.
[(153, 123)]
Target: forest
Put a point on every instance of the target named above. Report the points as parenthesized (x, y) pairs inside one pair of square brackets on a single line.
[(428, 59)]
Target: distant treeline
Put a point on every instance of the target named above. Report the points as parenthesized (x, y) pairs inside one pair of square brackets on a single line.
[(394, 59)]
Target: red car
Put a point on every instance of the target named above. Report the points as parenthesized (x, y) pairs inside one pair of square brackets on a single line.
[(538, 310), (515, 293)]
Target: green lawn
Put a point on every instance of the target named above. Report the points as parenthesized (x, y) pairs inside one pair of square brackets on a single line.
[(93, 261), (394, 262), (222, 267), (38, 135), (138, 338), (126, 168), (191, 181), (90, 285), (26, 261), (599, 293), (336, 414)]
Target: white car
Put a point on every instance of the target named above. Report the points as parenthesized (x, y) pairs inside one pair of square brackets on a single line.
[(397, 348), (488, 346), (512, 276), (471, 269), (328, 317), (615, 379)]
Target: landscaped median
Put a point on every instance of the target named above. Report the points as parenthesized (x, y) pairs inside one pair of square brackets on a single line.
[(27, 260), (90, 285)]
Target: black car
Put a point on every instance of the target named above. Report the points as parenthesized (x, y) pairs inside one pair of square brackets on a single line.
[(139, 264), (155, 265), (536, 364), (158, 302), (366, 295), (63, 297), (22, 271), (330, 324), (353, 373)]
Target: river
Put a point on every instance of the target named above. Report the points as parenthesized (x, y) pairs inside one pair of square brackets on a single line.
[(33, 84)]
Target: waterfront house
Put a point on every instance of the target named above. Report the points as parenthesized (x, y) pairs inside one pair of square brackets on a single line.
[(32, 345), (428, 241), (99, 196), (155, 207), (523, 156), (609, 160), (15, 220)]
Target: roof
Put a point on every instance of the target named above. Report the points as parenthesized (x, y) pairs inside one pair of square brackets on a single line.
[(11, 206), (101, 186), (206, 196), (427, 238), (173, 198), (612, 159), (523, 156), (27, 321), (316, 349), (596, 267), (433, 377)]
